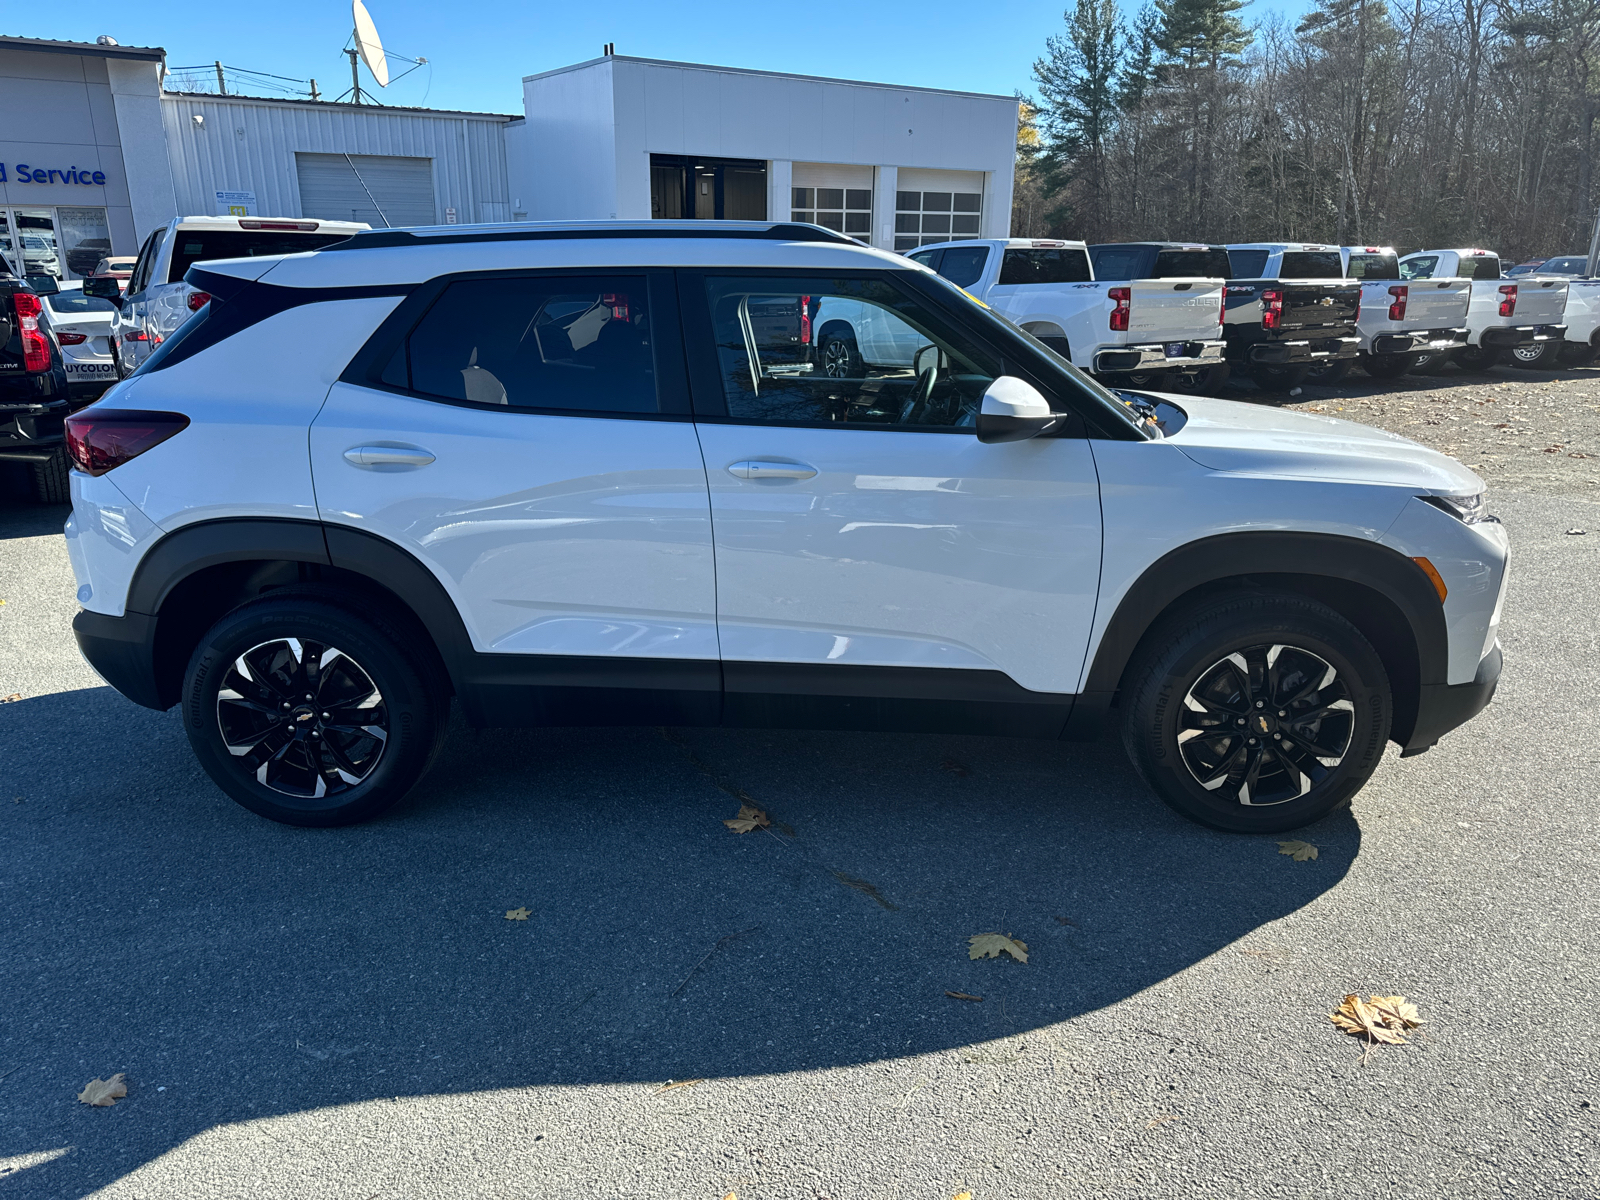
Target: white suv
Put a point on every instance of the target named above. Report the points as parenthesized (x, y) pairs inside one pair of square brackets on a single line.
[(563, 474)]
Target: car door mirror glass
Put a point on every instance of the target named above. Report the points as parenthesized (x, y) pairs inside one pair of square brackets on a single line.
[(104, 286), (1013, 410)]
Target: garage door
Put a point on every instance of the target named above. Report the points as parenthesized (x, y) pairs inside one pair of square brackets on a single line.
[(382, 190)]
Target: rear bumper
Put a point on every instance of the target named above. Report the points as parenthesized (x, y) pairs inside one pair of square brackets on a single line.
[(122, 652), (1442, 707), (1413, 340), (1521, 335), (31, 434), (1194, 356), (1303, 350)]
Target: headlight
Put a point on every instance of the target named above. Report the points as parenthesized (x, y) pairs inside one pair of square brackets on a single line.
[(1469, 510)]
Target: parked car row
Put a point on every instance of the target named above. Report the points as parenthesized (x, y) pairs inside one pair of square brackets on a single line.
[(1183, 317)]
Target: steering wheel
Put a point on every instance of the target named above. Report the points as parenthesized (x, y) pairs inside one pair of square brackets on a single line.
[(921, 391)]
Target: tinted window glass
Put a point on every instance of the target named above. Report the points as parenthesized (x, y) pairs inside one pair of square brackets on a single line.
[(1419, 268), (579, 344), (1479, 266), (1192, 264), (877, 357), (1567, 266), (1311, 264), (1374, 266), (927, 258), (963, 265), (1038, 266), (1247, 264), (198, 245), (1118, 262), (75, 303)]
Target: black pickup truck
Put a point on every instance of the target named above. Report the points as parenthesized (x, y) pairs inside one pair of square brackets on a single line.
[(33, 393), (1290, 313)]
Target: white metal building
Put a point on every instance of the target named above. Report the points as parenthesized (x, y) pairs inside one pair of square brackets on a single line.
[(636, 138)]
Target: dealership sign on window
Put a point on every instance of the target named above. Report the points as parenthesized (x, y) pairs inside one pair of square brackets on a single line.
[(27, 174), (236, 204)]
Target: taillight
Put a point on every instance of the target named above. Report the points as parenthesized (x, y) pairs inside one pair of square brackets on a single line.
[(1222, 307), (1271, 308), (136, 335), (35, 350), (198, 300), (1397, 306), (101, 440), (1123, 298), (805, 320), (1508, 299), (71, 339)]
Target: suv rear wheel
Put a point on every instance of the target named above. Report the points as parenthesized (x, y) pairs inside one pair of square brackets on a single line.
[(1256, 714), (310, 715)]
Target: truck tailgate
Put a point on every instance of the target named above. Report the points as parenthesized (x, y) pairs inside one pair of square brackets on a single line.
[(1312, 303), (1539, 301), (1172, 310), (1437, 303)]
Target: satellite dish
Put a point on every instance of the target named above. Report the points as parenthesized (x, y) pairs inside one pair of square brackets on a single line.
[(367, 43)]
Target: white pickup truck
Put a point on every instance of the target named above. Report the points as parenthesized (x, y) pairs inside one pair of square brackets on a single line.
[(1147, 332), (1582, 346), (1400, 321), (1523, 317)]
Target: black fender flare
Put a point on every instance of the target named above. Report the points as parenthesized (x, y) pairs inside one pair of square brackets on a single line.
[(1342, 570)]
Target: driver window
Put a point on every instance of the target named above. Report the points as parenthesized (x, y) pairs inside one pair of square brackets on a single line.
[(842, 351)]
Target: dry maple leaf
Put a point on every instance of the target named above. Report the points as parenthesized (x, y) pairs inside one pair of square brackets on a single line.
[(1379, 1019), (1299, 851), (1396, 1011), (750, 817), (517, 914), (103, 1093), (993, 945), (962, 1196), (11, 699)]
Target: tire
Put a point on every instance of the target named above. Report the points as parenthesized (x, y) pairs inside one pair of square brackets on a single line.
[(1478, 358), (1192, 658), (838, 357), (302, 778), (1141, 381), (1432, 362), (1207, 381), (1329, 374), (1541, 356), (1278, 379), (1388, 366), (1577, 354), (51, 480)]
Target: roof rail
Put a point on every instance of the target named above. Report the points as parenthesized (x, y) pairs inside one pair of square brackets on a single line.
[(782, 231)]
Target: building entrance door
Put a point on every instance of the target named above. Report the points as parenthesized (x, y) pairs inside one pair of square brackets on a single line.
[(707, 189)]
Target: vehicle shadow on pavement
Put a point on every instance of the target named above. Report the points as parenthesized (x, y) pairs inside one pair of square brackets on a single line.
[(250, 969)]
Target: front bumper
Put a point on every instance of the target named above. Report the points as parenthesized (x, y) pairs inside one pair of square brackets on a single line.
[(1192, 356), (1413, 340), (122, 652), (1304, 350), (1442, 707), (1511, 336)]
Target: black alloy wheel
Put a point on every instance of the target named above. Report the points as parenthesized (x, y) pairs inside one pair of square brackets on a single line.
[(309, 714), (1389, 366), (1478, 358), (1256, 713), (1329, 372), (840, 359)]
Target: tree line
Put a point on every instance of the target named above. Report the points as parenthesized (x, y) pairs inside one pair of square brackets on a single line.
[(1442, 123)]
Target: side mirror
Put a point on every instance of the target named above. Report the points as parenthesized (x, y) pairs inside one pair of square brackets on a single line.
[(1013, 411), (104, 286), (44, 285)]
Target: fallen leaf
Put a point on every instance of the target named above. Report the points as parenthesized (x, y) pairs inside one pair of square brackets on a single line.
[(750, 817), (1379, 1019), (1299, 851), (1162, 1120), (963, 996), (678, 1083), (1397, 1012), (993, 945), (962, 1196), (11, 698), (103, 1093), (517, 914), (731, 1196), (955, 768)]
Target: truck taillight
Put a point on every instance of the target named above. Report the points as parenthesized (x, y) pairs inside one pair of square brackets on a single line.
[(198, 300), (100, 440), (1271, 308), (1123, 298), (805, 320), (1397, 306), (35, 350), (1508, 299)]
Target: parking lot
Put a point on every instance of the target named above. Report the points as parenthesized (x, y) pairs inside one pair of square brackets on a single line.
[(689, 1012)]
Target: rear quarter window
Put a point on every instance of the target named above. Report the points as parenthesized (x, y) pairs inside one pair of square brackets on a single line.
[(1036, 266)]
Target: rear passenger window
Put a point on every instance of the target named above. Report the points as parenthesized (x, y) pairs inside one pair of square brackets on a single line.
[(963, 265), (1036, 266), (1118, 262), (573, 344), (1247, 264)]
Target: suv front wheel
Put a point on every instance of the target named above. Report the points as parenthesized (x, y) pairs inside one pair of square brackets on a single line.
[(308, 714), (1256, 714)]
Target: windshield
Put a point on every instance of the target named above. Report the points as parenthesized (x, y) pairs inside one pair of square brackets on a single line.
[(199, 245), (75, 303)]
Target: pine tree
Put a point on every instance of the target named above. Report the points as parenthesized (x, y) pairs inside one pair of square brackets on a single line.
[(1200, 41), (1078, 106)]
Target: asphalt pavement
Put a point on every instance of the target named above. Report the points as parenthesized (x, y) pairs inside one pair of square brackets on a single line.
[(350, 1014)]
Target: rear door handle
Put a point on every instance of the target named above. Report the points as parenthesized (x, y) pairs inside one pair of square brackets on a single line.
[(387, 456), (756, 468)]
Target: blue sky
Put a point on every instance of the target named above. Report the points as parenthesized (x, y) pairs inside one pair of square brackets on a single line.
[(478, 53)]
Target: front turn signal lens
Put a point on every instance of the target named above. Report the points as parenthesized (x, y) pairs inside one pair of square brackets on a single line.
[(1432, 572)]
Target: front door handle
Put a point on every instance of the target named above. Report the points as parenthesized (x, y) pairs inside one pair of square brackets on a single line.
[(387, 456), (759, 468)]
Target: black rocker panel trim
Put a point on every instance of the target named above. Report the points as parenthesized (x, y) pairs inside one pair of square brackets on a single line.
[(1259, 557)]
